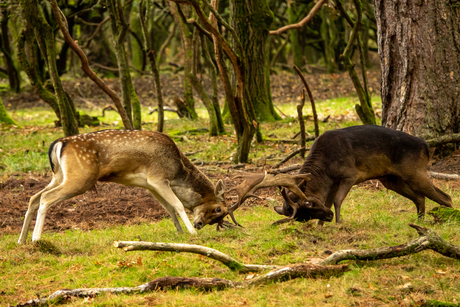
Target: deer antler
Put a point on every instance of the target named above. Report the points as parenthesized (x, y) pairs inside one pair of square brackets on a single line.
[(253, 182)]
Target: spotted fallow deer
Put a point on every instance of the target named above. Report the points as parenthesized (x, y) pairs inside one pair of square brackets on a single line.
[(137, 158)]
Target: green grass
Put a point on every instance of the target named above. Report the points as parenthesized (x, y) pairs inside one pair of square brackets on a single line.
[(371, 218)]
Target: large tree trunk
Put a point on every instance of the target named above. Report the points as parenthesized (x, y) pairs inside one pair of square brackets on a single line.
[(419, 48), (252, 20)]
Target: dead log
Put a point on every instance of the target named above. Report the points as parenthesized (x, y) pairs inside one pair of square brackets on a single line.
[(162, 283), (225, 259), (306, 270), (445, 139), (428, 240), (444, 176)]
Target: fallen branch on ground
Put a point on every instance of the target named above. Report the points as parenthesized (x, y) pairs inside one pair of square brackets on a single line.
[(445, 139), (280, 273), (444, 176), (161, 283), (225, 259), (428, 240)]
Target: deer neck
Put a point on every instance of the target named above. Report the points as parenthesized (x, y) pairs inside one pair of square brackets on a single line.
[(320, 183), (192, 187)]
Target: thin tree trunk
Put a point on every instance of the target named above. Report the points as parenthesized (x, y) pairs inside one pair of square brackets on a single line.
[(13, 75), (186, 39), (44, 35), (119, 31), (26, 35)]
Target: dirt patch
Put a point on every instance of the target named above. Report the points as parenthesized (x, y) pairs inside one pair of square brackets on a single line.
[(108, 204)]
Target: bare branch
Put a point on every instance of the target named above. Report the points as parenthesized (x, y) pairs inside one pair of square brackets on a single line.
[(313, 106), (302, 22), (96, 31)]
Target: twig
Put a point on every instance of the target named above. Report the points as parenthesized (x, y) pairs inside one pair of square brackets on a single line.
[(313, 107), (96, 31)]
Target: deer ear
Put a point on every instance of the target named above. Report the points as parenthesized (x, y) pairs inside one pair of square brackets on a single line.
[(219, 190)]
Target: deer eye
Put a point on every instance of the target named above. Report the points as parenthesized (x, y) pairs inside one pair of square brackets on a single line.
[(218, 210)]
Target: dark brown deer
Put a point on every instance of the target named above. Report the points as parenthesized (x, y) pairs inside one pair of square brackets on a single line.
[(342, 158), (138, 158)]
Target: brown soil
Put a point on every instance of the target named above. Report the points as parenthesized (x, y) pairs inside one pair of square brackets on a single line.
[(108, 204)]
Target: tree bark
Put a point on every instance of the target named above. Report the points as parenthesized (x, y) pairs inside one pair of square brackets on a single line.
[(252, 19), (419, 49)]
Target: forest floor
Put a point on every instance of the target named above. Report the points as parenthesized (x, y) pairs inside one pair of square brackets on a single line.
[(109, 203)]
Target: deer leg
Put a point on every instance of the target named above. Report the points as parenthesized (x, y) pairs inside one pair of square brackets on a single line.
[(164, 191), (398, 185), (342, 191), (170, 211), (423, 186), (67, 189), (34, 203), (427, 188), (329, 200)]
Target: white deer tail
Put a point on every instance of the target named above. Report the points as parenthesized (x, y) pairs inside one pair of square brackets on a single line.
[(54, 155)]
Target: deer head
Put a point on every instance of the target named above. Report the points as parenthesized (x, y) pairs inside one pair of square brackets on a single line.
[(253, 182), (212, 212)]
